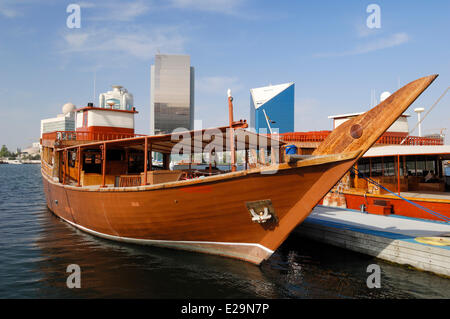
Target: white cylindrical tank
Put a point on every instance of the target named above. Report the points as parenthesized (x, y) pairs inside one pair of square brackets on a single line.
[(118, 98), (68, 108), (384, 96)]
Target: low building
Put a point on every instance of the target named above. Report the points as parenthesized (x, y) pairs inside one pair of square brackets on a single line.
[(62, 122)]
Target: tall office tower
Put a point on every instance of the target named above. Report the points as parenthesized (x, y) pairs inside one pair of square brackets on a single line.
[(171, 94), (272, 108)]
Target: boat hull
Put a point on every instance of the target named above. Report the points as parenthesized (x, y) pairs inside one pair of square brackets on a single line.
[(208, 215), (402, 207)]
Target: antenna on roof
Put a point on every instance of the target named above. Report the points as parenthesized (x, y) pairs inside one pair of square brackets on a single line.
[(95, 79)]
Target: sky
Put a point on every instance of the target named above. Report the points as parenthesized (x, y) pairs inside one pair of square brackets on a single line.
[(326, 47)]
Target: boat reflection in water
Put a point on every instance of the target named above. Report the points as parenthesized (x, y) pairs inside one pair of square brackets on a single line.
[(118, 270)]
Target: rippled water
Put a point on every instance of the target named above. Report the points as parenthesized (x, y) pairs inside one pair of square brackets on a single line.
[(36, 247)]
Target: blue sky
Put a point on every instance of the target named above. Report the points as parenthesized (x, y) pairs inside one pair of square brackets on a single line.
[(325, 47)]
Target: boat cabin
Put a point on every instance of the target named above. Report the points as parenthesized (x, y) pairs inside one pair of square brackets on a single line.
[(400, 168), (85, 160)]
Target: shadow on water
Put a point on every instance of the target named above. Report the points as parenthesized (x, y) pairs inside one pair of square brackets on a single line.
[(36, 248)]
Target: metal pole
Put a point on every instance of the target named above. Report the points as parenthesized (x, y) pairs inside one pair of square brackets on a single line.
[(230, 114)]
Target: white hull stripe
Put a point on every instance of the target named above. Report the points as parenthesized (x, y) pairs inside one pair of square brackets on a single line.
[(154, 241)]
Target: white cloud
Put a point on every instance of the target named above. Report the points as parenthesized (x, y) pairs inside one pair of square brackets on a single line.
[(76, 40), (84, 4), (218, 84), (131, 42), (373, 45), (362, 31), (223, 6), (118, 11), (7, 10)]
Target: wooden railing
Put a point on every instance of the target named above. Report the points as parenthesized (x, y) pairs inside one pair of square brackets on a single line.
[(86, 136), (48, 169), (388, 138), (129, 180), (315, 136)]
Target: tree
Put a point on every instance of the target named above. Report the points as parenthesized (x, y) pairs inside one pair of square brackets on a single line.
[(4, 152)]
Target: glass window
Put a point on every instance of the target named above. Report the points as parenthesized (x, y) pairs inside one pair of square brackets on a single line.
[(411, 166), (389, 166), (376, 167), (421, 167)]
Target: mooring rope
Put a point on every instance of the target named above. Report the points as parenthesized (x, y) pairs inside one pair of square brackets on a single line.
[(445, 218)]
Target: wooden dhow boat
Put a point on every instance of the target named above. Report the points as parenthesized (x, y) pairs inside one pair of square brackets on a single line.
[(101, 180)]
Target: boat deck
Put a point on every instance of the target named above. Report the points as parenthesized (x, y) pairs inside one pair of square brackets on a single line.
[(445, 196), (421, 244), (427, 194)]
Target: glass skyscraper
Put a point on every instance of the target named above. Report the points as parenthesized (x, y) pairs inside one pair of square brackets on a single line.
[(272, 108), (171, 94)]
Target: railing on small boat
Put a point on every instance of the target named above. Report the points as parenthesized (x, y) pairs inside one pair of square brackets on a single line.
[(388, 138), (87, 136), (129, 180)]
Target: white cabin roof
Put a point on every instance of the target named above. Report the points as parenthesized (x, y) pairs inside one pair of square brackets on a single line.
[(355, 114), (394, 150)]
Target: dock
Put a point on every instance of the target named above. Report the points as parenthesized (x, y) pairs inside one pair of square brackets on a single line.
[(418, 243)]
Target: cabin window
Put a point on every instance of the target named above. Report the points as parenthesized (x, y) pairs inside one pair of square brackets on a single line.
[(85, 118), (389, 168), (421, 167), (364, 167), (377, 169), (72, 158), (135, 162), (430, 165), (92, 162), (115, 155), (411, 166)]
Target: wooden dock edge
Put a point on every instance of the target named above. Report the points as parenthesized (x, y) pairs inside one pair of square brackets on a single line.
[(401, 250)]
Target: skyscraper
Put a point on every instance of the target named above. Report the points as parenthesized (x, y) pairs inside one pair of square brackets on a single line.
[(272, 107), (171, 94)]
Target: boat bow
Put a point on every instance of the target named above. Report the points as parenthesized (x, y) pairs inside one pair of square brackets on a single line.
[(363, 131)]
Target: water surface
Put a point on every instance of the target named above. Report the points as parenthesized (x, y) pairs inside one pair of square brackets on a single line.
[(36, 247)]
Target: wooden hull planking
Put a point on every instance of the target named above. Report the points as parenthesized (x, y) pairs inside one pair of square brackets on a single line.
[(206, 216)]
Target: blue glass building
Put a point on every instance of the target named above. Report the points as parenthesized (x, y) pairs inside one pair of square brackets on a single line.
[(272, 105)]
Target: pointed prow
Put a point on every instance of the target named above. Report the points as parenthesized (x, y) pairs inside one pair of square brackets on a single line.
[(363, 131)]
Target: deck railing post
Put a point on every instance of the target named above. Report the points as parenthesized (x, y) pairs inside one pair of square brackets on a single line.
[(79, 167), (246, 158), (398, 173), (150, 156), (144, 181), (103, 164), (64, 166)]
